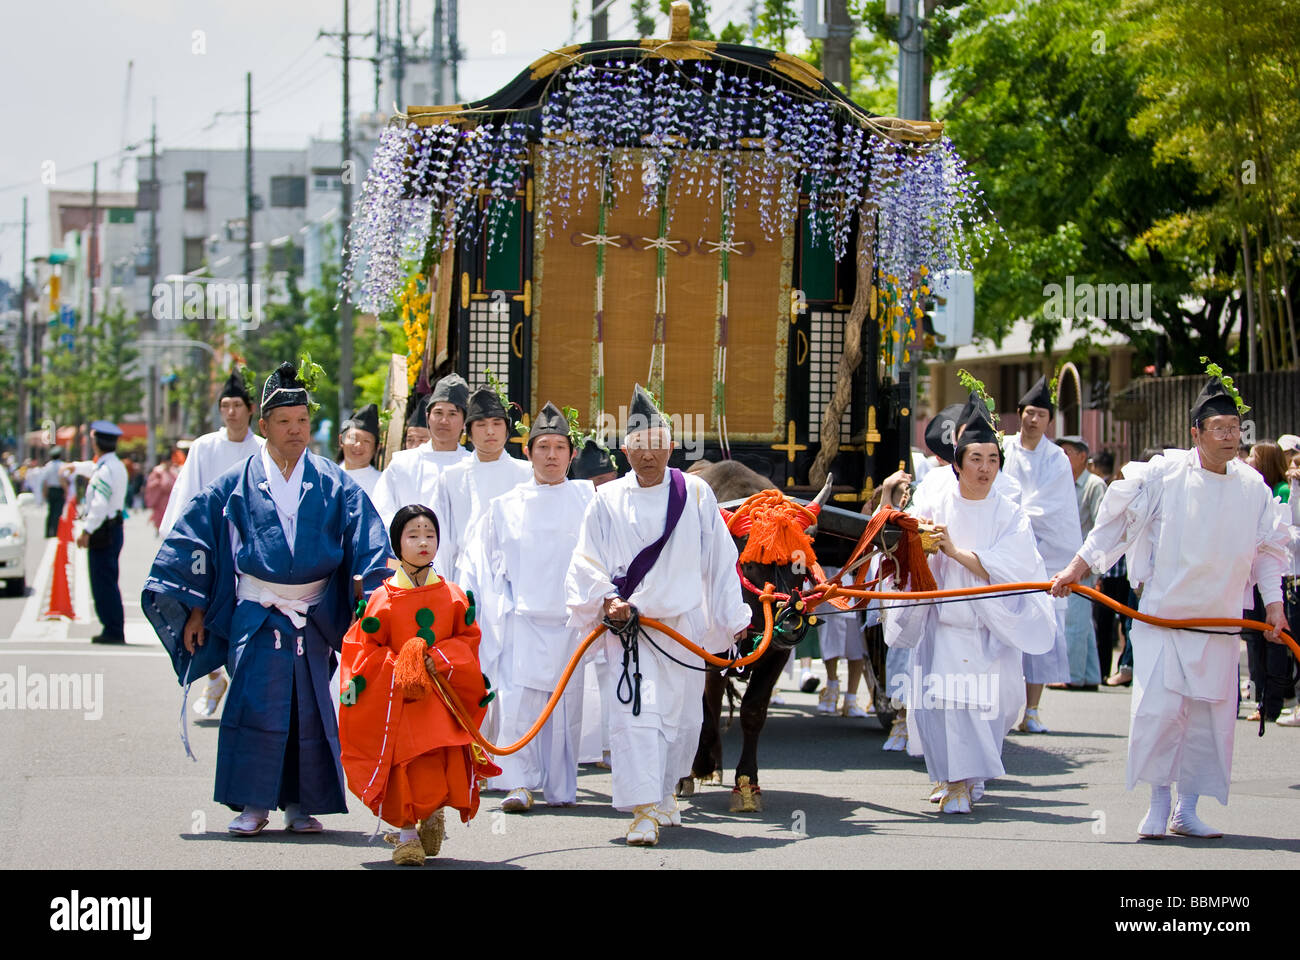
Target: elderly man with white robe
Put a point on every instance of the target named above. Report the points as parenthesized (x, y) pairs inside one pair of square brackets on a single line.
[(1047, 495), (1200, 531), (653, 543), (966, 683), (411, 475), (528, 539), (210, 456)]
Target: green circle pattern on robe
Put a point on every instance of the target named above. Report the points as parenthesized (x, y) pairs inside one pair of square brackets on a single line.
[(370, 625), (424, 617)]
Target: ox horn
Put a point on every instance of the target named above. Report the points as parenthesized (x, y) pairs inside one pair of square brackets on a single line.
[(820, 500)]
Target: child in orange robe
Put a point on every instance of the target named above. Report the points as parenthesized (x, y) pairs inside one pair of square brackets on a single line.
[(403, 751)]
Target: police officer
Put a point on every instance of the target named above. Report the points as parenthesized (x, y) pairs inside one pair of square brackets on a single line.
[(102, 533)]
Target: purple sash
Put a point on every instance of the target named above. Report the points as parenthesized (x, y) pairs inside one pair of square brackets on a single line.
[(643, 561)]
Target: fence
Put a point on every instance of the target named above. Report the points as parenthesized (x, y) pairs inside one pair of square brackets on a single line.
[(1157, 409)]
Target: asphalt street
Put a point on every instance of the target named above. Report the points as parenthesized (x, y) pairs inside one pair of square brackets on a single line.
[(112, 774)]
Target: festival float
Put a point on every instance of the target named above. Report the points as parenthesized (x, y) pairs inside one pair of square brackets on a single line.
[(712, 220)]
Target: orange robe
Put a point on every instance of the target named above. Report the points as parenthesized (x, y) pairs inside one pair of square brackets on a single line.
[(406, 756)]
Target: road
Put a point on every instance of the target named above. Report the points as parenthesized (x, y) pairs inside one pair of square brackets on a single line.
[(833, 798)]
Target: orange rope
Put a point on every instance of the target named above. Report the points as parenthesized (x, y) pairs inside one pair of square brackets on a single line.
[(823, 592), (463, 717)]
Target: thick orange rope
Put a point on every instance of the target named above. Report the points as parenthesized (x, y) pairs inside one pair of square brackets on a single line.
[(832, 590), (462, 715)]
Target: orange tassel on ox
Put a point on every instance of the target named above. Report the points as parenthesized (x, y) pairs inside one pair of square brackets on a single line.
[(409, 674), (775, 526)]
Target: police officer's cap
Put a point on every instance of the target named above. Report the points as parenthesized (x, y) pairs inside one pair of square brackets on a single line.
[(106, 428)]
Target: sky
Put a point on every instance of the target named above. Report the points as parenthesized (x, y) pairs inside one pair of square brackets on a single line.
[(63, 73)]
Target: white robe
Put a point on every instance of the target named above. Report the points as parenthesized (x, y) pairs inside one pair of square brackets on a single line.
[(410, 477), (965, 683), (210, 456), (898, 660), (366, 478), (528, 539), (692, 588), (461, 496), (1048, 497), (1198, 541)]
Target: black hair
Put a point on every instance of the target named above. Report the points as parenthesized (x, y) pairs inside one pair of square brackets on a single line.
[(105, 443), (529, 443), (1002, 458), (405, 516), (1105, 460)]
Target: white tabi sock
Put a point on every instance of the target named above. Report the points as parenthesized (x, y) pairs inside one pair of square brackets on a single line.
[(1185, 819), (409, 833), (1157, 818), (256, 813)]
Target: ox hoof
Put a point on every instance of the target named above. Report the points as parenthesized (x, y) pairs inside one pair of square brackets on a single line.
[(686, 787), (746, 797)]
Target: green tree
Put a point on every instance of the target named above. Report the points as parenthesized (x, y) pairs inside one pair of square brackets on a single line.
[(1221, 91), (308, 323), (644, 23), (1039, 101)]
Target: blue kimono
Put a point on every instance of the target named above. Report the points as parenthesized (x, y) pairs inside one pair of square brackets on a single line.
[(279, 732)]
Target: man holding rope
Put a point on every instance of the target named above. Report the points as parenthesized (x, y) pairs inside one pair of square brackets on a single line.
[(1199, 529), (653, 543)]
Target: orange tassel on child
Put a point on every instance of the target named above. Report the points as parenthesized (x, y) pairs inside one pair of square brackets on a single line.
[(410, 675)]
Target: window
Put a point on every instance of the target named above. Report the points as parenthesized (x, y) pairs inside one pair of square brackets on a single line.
[(194, 189), (326, 182), (146, 196), (286, 257), (489, 342), (193, 254), (825, 344), (288, 191)]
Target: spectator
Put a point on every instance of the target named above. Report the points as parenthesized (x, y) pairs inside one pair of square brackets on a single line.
[(1291, 584), (1270, 664), (158, 488), (56, 491)]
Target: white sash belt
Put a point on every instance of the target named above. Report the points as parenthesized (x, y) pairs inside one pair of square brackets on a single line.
[(291, 599)]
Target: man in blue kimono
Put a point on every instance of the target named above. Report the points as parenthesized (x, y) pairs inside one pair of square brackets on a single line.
[(257, 575)]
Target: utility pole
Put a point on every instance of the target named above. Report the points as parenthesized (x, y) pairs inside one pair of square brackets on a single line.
[(248, 181), (23, 419), (151, 441), (837, 47), (345, 302), (91, 251), (453, 48), (911, 63), (437, 56), (379, 50), (399, 69), (599, 20)]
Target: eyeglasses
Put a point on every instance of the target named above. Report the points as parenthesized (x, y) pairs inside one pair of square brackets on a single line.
[(1222, 433)]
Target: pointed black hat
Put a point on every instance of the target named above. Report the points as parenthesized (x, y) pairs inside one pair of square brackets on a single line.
[(550, 421), (1039, 395), (1214, 400), (367, 419), (941, 432), (235, 387), (484, 404), (284, 389), (642, 414), (450, 389), (417, 417), (976, 426), (592, 461)]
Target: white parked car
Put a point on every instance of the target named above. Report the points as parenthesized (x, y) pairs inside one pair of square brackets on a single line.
[(13, 537)]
